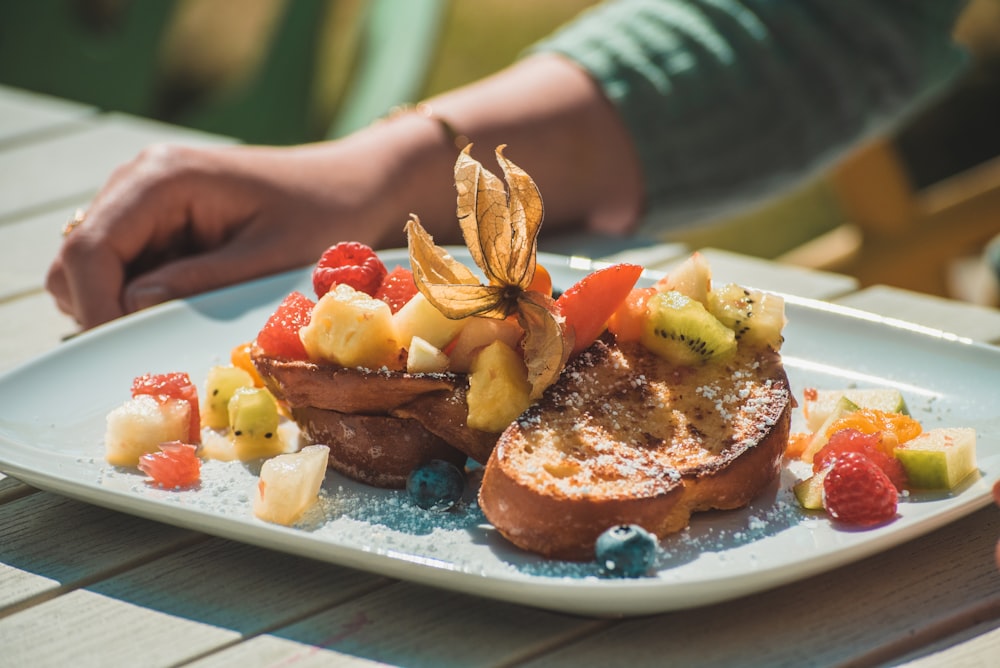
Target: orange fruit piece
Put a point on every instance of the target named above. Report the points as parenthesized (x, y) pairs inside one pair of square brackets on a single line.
[(240, 358), (895, 428)]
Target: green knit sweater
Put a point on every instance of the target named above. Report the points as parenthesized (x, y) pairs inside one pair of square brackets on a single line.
[(730, 101)]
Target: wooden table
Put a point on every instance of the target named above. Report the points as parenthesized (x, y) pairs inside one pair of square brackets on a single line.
[(81, 585)]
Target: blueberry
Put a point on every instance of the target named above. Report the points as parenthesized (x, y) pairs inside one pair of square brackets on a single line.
[(626, 551), (436, 485)]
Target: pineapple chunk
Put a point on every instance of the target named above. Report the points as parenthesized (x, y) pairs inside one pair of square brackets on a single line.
[(939, 458), (424, 357), (253, 415), (418, 317), (220, 384), (479, 333), (139, 426), (352, 329), (499, 390), (289, 484)]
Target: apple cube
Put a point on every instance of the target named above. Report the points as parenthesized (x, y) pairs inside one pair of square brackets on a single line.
[(820, 437), (939, 458), (418, 317), (809, 492), (423, 357), (289, 484), (499, 390), (352, 329), (141, 424)]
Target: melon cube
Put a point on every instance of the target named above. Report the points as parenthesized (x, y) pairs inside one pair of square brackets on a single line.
[(479, 333), (939, 458), (289, 484), (141, 424)]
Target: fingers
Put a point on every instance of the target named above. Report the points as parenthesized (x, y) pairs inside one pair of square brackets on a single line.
[(254, 252), (143, 211)]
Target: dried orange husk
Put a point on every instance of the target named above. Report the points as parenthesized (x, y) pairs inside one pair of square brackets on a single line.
[(895, 428), (500, 228)]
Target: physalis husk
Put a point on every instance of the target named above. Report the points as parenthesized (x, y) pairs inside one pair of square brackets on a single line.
[(500, 227)]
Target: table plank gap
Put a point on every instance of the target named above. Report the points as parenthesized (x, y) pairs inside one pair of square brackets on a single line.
[(948, 573), (12, 489), (92, 544), (211, 594)]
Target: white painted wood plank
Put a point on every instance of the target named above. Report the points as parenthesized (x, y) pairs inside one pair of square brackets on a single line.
[(171, 610), (411, 625), (979, 323), (26, 113), (26, 249), (52, 171), (30, 326), (862, 614), (51, 543)]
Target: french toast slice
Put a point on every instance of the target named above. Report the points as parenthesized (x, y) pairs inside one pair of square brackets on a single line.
[(379, 424), (626, 436)]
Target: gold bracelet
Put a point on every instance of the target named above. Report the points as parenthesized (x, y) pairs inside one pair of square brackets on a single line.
[(422, 108)]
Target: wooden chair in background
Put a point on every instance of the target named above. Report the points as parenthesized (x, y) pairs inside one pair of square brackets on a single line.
[(110, 53)]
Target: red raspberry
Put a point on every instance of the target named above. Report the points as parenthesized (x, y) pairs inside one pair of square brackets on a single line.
[(280, 334), (869, 445), (349, 262), (857, 492), (397, 288)]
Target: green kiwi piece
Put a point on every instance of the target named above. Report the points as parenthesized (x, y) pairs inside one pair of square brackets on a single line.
[(220, 384), (681, 329), (756, 317), (253, 416)]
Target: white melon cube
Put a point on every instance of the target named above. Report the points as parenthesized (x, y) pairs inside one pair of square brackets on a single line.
[(141, 424), (289, 484)]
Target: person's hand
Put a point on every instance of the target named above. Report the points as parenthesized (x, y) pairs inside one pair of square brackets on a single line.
[(177, 221)]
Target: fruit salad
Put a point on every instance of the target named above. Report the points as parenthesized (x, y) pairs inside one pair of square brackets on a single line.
[(865, 449)]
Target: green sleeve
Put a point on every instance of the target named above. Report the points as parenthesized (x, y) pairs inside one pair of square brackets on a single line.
[(732, 100)]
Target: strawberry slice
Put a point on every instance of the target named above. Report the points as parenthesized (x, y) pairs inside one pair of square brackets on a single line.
[(589, 303), (352, 263)]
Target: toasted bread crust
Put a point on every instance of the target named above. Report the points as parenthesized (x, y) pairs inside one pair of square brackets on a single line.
[(627, 437), (374, 449), (380, 424), (346, 390)]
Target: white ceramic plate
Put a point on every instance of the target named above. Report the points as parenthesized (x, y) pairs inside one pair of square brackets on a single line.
[(52, 424)]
